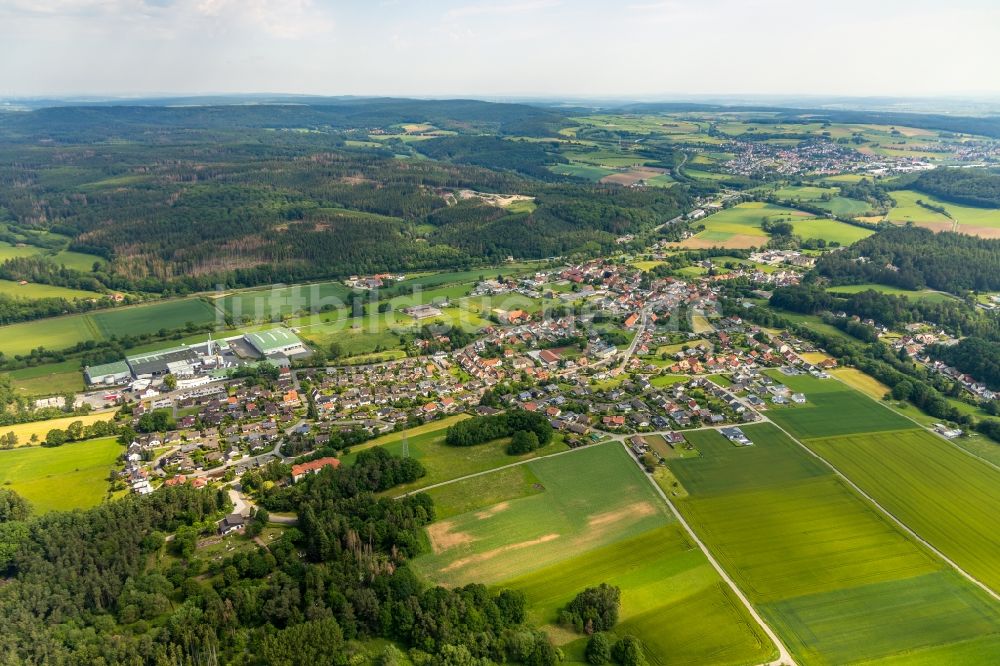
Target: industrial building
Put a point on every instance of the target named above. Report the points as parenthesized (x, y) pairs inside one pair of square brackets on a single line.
[(276, 341), (192, 364)]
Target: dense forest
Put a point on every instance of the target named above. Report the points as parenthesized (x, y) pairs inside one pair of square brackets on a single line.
[(156, 121), (914, 258), (954, 316), (105, 586), (971, 187), (195, 202)]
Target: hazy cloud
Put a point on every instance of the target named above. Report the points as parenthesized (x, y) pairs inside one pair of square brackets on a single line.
[(521, 47)]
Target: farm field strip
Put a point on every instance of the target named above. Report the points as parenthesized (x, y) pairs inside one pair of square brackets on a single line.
[(785, 656), (906, 485), (592, 498), (672, 599), (24, 431), (797, 541), (551, 526), (66, 331), (939, 490), (446, 464)]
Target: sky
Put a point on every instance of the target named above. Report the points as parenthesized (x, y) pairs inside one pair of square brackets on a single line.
[(495, 49)]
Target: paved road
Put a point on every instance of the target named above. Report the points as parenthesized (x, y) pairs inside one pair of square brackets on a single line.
[(240, 504), (244, 506), (274, 453)]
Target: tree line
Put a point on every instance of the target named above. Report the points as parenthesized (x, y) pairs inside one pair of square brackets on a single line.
[(910, 257)]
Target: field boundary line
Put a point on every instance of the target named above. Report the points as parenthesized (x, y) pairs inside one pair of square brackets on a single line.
[(906, 528), (784, 656), (918, 424)]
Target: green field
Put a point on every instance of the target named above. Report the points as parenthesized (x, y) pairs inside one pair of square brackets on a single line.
[(73, 476), (54, 333), (372, 332), (585, 171), (75, 260), (844, 207), (945, 495), (923, 295), (33, 290), (50, 379), (832, 231), (275, 302), (885, 621), (828, 403), (835, 578), (476, 492), (554, 526), (672, 599), (153, 317), (805, 192), (63, 332), (971, 220), (8, 251), (593, 497), (739, 226), (813, 195), (24, 431)]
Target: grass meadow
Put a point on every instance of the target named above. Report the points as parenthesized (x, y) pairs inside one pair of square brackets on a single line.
[(921, 295), (35, 291), (976, 221), (739, 226), (72, 476), (593, 497), (832, 231), (824, 413), (49, 379), (672, 599)]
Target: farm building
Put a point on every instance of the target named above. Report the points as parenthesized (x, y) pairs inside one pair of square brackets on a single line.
[(275, 341)]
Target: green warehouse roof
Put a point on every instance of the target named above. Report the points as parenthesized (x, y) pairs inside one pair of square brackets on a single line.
[(273, 340)]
